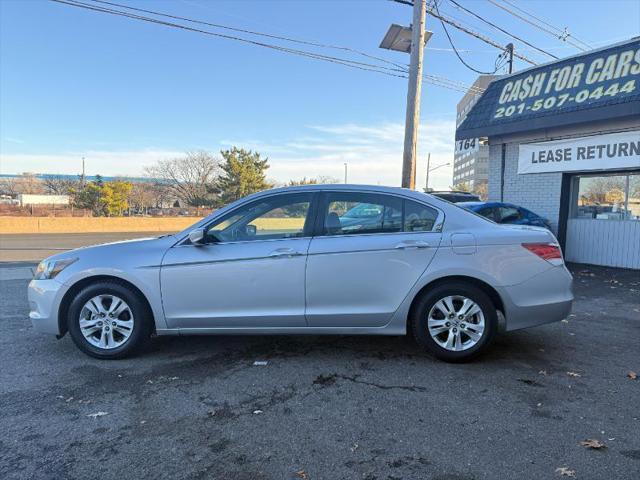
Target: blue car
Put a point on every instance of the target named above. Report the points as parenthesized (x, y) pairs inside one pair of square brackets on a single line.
[(506, 213)]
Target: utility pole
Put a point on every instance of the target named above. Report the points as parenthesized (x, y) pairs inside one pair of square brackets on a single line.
[(345, 172), (82, 177), (426, 187), (510, 53), (413, 95)]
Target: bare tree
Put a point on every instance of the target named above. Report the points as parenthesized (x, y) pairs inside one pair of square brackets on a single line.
[(321, 179), (142, 196), (191, 178), (59, 185), (8, 186), (601, 190), (25, 183)]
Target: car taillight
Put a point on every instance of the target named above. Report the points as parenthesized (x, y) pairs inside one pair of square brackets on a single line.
[(547, 251)]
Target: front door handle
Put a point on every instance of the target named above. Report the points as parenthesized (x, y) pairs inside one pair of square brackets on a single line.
[(284, 252), (412, 244)]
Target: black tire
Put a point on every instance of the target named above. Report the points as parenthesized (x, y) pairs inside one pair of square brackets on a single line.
[(142, 326), (419, 320)]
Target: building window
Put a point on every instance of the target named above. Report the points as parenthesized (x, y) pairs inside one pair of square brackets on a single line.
[(607, 197)]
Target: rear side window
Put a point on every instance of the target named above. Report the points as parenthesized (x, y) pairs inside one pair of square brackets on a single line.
[(418, 217), (357, 213), (350, 213)]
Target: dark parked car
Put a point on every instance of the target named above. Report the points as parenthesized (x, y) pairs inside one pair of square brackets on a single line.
[(455, 196), (506, 213)]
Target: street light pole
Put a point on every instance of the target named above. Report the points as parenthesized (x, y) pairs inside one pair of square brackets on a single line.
[(426, 187), (345, 172), (413, 95)]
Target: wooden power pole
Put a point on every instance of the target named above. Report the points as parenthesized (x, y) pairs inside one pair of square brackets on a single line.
[(413, 95)]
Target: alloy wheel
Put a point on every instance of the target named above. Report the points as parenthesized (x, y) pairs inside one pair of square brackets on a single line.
[(106, 321), (456, 323)]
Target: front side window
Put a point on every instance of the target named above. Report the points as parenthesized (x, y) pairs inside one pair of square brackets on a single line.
[(277, 217)]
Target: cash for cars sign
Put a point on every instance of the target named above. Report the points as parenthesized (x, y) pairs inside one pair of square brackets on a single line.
[(593, 86), (599, 152), (597, 79)]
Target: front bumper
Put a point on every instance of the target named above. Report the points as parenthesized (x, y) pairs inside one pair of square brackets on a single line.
[(544, 298), (44, 302)]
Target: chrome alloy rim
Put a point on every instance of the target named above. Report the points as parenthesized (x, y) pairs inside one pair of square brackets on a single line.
[(456, 323), (106, 321)]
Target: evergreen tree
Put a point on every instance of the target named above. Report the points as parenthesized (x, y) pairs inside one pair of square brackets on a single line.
[(243, 173)]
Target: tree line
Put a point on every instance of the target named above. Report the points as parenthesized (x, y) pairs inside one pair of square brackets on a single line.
[(197, 179)]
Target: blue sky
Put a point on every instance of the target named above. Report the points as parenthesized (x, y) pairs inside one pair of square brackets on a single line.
[(124, 93)]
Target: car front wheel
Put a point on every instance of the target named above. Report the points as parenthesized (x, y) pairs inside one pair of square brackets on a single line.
[(455, 322), (107, 320)]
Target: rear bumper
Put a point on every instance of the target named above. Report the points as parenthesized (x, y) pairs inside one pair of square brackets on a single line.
[(544, 298), (44, 301)]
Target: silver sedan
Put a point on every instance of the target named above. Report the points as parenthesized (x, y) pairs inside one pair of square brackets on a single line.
[(323, 259)]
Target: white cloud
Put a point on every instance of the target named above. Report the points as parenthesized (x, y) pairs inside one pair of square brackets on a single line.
[(373, 153), (108, 163)]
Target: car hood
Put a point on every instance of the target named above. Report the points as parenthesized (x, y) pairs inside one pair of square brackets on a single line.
[(119, 248)]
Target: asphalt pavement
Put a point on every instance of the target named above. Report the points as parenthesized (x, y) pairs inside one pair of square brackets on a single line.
[(343, 407)]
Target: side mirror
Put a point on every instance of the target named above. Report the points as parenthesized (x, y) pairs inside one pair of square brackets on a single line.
[(196, 236), (251, 230)]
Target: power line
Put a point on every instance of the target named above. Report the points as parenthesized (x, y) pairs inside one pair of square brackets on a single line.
[(350, 63), (468, 31), (456, 50), (563, 35), (252, 32), (500, 28), (395, 72), (564, 32)]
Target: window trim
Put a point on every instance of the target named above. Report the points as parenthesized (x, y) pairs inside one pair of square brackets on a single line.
[(323, 207)]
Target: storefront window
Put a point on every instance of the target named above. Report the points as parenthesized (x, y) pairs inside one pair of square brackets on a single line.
[(608, 197)]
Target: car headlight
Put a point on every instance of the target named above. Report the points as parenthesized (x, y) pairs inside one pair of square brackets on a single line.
[(48, 269)]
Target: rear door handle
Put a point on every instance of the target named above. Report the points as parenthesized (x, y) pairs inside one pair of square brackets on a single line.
[(284, 252), (412, 244)]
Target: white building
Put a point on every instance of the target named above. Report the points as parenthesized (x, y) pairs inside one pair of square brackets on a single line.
[(25, 199)]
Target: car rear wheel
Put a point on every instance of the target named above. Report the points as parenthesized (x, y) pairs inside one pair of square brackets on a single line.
[(455, 322), (107, 320)]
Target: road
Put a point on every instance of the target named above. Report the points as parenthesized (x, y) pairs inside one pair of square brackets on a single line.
[(328, 407), (35, 247)]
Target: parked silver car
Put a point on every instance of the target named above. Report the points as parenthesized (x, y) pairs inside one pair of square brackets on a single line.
[(318, 259)]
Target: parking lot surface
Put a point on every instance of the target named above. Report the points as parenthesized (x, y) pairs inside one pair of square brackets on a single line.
[(329, 407)]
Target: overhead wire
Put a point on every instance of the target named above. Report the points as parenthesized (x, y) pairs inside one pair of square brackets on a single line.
[(563, 35), (396, 71), (564, 32), (350, 63), (497, 27), (252, 32), (443, 18), (444, 27)]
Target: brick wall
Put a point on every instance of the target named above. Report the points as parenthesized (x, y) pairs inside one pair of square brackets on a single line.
[(539, 192)]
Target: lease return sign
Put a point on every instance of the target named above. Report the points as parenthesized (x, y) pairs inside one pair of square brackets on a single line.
[(598, 78), (599, 152)]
